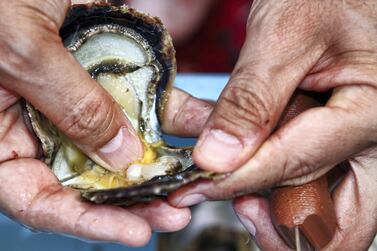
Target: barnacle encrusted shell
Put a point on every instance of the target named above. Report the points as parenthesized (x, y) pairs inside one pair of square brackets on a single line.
[(132, 56)]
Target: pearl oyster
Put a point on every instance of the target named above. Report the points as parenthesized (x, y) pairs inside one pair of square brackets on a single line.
[(132, 56)]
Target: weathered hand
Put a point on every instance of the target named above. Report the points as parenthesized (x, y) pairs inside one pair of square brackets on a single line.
[(31, 194), (35, 65), (312, 45)]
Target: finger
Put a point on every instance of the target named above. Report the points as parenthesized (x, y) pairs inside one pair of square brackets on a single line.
[(356, 206), (270, 67), (34, 197), (192, 194), (254, 214), (185, 115), (161, 216), (54, 82)]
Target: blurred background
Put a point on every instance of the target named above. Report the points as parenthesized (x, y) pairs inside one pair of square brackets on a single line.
[(207, 34)]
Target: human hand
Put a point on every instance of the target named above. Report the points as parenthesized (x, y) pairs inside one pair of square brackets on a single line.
[(31, 194), (312, 45), (36, 66)]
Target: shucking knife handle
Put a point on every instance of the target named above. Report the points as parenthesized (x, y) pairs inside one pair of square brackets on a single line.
[(308, 209)]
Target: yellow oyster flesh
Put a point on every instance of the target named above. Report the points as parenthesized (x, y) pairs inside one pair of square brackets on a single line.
[(132, 57)]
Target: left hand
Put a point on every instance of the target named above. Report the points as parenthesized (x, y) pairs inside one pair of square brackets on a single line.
[(32, 195)]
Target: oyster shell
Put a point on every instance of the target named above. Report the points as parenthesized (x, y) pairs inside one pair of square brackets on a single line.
[(132, 56)]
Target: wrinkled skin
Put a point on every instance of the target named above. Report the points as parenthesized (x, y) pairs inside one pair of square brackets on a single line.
[(31, 194), (35, 65), (311, 45)]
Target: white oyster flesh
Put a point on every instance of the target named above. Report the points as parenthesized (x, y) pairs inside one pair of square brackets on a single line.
[(147, 171), (124, 64), (108, 46)]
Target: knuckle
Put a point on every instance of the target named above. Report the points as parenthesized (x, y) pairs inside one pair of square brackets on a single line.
[(224, 193), (52, 12), (257, 7), (298, 170), (244, 104), (18, 55), (180, 115), (31, 215), (299, 20), (277, 149), (21, 53), (88, 120), (297, 166), (302, 165), (26, 40), (191, 117)]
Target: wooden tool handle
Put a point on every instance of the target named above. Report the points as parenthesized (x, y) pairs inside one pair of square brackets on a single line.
[(307, 208)]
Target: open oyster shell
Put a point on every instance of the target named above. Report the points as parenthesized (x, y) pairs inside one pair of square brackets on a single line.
[(132, 56)]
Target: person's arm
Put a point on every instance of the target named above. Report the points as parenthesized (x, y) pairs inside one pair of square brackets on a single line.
[(311, 45)]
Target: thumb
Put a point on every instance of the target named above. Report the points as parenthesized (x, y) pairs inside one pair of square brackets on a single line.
[(270, 67), (42, 71)]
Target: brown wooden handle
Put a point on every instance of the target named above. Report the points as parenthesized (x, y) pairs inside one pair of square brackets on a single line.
[(308, 207)]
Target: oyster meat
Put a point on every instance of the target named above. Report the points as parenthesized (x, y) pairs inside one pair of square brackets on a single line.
[(132, 56)]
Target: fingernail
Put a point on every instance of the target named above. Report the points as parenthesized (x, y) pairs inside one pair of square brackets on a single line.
[(123, 149), (248, 224), (219, 147), (191, 200)]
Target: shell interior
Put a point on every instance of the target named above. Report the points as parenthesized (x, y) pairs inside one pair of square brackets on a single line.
[(131, 55)]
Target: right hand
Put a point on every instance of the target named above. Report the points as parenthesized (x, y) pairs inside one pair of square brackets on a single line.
[(31, 194)]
